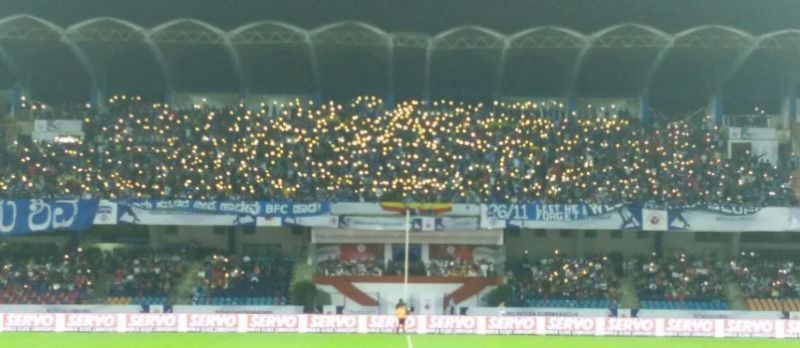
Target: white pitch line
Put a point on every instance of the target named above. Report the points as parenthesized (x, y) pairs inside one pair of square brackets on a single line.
[(408, 339)]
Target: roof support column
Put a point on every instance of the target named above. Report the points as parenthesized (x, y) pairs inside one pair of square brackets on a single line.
[(426, 90), (716, 109), (169, 95), (644, 112), (789, 107), (21, 89), (570, 104), (736, 244), (579, 245), (97, 94), (390, 97)]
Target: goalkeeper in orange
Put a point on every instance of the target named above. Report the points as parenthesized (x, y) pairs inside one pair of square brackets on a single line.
[(401, 311)]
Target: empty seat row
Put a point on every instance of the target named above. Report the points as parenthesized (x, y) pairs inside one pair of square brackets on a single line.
[(147, 300), (567, 303), (691, 305), (773, 304), (242, 301)]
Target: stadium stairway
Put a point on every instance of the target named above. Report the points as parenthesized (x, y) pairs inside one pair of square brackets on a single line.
[(735, 297), (628, 298), (796, 184), (7, 130), (100, 293), (302, 271), (182, 293)]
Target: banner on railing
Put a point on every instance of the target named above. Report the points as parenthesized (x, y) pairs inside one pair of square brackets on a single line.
[(720, 218), (214, 213), (420, 324), (400, 208), (25, 216), (28, 216), (106, 213), (710, 218), (417, 224), (188, 213), (563, 216), (57, 130)]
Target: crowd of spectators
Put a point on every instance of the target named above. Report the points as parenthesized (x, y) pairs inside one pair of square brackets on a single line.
[(677, 277), (245, 276), (40, 274), (366, 150), (44, 273), (142, 273), (345, 268), (561, 277), (433, 268), (767, 278), (461, 268)]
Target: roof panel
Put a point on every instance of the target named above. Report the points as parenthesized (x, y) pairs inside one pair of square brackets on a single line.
[(785, 39), (469, 37), (548, 37), (106, 29), (27, 27), (630, 35), (187, 31), (713, 36), (350, 33), (268, 32)]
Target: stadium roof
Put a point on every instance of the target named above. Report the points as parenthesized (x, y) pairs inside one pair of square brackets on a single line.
[(348, 57)]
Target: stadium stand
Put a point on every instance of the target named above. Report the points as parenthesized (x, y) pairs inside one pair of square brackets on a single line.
[(768, 284), (678, 282), (366, 150), (143, 277), (433, 268), (245, 280), (42, 274), (562, 282)]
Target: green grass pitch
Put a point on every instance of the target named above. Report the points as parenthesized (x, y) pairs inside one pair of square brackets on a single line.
[(196, 340)]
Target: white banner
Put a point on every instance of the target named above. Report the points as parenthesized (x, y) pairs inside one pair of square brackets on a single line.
[(399, 208), (52, 130), (622, 218), (238, 309), (421, 324), (765, 149), (16, 308), (326, 220), (736, 133), (106, 213), (166, 217), (654, 220), (269, 221), (418, 224), (541, 311), (4, 308), (57, 126), (735, 219)]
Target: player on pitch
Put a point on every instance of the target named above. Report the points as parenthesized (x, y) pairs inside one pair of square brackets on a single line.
[(401, 311)]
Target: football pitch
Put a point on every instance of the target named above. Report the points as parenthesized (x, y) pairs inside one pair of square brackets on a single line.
[(251, 340)]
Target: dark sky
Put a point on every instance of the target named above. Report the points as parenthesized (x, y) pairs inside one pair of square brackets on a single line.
[(430, 16)]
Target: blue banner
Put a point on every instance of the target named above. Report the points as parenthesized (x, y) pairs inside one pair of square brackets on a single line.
[(294, 210), (28, 216)]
